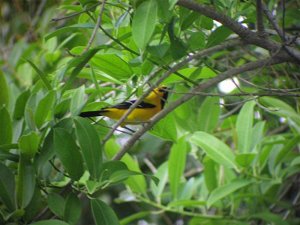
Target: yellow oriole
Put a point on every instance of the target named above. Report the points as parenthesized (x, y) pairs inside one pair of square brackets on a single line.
[(151, 105)]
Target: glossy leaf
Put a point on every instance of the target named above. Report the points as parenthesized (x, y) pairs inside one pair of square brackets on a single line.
[(225, 190), (214, 148), (7, 187), (245, 159), (137, 184), (29, 144), (218, 36), (162, 175), (20, 105), (73, 209), (176, 165), (143, 23), (210, 173), (90, 146), (77, 101), (103, 214), (209, 114), (68, 152), (4, 91), (5, 127), (112, 65), (244, 127), (25, 182), (44, 108), (56, 204)]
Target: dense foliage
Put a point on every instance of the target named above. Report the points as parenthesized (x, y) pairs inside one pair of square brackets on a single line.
[(212, 156)]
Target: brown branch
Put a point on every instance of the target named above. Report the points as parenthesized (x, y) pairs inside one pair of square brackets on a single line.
[(173, 69), (260, 21), (201, 87), (274, 23), (247, 35)]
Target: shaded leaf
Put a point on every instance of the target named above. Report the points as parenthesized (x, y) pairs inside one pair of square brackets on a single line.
[(89, 143), (5, 126), (225, 190), (57, 204), (7, 187), (29, 144), (72, 210), (103, 214), (68, 152), (209, 114)]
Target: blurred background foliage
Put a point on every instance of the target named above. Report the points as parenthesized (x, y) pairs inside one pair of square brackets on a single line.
[(224, 157)]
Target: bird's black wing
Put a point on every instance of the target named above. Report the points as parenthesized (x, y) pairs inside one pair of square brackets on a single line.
[(127, 104)]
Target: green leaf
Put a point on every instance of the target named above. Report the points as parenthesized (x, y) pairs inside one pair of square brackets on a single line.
[(68, 152), (143, 23), (287, 148), (79, 63), (4, 91), (71, 28), (270, 218), (50, 222), (29, 144), (209, 114), (137, 184), (244, 127), (210, 173), (218, 36), (25, 182), (162, 175), (135, 216), (7, 187), (197, 40), (176, 165), (166, 128), (77, 101), (103, 214), (225, 190), (112, 65), (90, 146), (44, 108), (5, 127), (73, 209), (41, 74), (245, 159), (280, 108), (20, 105), (56, 203), (214, 148)]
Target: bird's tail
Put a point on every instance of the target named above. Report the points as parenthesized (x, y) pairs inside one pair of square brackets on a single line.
[(93, 113)]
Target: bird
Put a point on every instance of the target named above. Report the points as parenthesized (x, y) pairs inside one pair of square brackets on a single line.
[(151, 105)]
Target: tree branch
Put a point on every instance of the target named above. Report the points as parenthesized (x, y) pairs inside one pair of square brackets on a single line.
[(260, 21), (201, 87), (247, 35)]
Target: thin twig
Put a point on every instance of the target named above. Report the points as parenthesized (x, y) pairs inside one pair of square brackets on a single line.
[(92, 38)]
